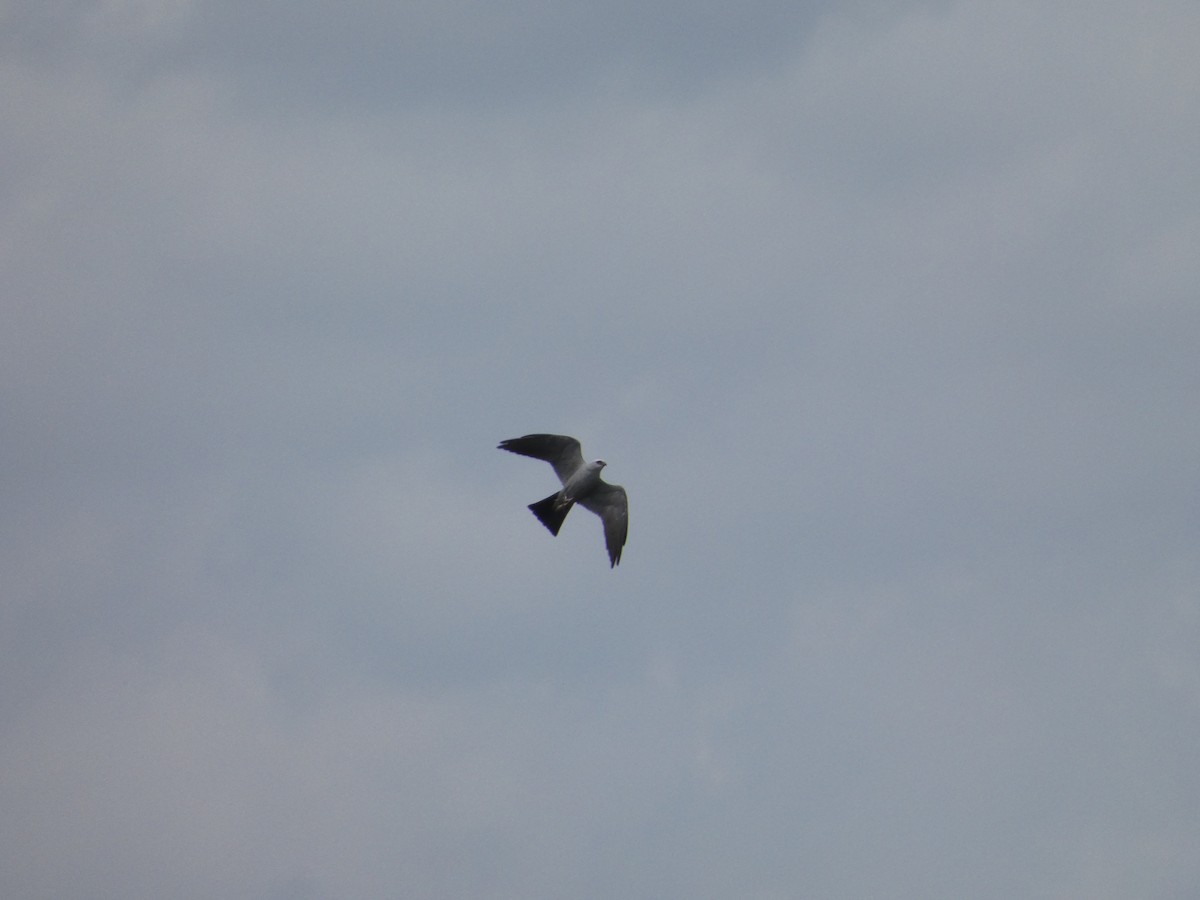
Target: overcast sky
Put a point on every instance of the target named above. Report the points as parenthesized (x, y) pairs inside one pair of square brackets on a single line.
[(886, 315)]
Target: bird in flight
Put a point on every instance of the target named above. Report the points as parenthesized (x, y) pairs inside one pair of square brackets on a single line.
[(580, 484)]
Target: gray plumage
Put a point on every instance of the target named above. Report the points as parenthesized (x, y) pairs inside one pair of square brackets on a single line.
[(580, 484)]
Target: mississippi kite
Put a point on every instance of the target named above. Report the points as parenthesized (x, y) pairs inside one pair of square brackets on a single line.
[(580, 484)]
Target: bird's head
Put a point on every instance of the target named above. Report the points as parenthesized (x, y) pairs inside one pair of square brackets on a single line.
[(599, 464)]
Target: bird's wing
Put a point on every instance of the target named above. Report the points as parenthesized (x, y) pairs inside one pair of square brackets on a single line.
[(611, 504), (562, 452)]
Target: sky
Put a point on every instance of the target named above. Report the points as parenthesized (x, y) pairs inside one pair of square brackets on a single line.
[(886, 316)]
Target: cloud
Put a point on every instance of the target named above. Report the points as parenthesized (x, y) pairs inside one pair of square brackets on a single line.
[(883, 318)]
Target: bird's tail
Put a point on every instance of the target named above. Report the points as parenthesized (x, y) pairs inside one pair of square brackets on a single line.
[(550, 513)]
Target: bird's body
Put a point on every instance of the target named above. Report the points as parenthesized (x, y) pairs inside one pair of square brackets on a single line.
[(581, 483)]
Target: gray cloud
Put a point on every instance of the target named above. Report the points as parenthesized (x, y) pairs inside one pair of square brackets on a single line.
[(884, 318)]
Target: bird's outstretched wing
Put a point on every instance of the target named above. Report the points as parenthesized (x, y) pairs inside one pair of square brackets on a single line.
[(610, 503), (562, 452)]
